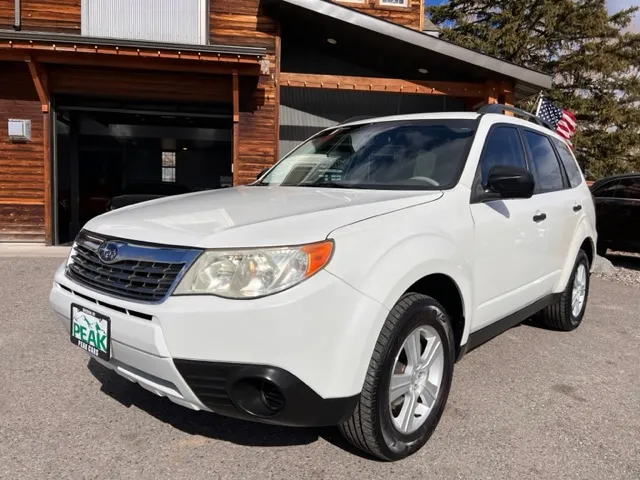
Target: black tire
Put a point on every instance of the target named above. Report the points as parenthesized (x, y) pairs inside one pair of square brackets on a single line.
[(370, 428), (559, 316)]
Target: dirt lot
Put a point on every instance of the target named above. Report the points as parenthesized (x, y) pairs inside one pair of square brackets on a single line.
[(530, 404)]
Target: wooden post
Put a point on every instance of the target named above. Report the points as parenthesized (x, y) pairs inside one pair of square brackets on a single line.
[(277, 93), (48, 198), (506, 95), (491, 93), (236, 125), (39, 78)]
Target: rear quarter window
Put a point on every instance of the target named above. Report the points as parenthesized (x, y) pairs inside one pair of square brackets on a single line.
[(569, 162)]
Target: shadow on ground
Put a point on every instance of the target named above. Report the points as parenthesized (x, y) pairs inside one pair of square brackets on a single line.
[(208, 424), (624, 260)]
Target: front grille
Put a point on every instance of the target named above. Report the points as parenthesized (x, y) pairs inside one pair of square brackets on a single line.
[(141, 273)]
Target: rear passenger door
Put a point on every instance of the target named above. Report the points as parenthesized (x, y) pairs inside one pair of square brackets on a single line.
[(622, 217), (609, 230), (555, 201), (508, 243)]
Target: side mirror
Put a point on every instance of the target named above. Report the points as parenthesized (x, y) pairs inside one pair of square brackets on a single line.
[(511, 182), (262, 173)]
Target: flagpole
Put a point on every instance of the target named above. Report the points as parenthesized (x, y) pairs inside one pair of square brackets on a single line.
[(538, 103)]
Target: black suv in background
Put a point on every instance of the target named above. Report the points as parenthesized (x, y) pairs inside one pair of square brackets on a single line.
[(617, 201)]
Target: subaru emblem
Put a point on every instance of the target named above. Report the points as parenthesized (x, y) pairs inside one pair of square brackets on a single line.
[(108, 252)]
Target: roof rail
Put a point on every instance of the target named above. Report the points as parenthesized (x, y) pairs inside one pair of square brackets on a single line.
[(501, 109), (356, 118)]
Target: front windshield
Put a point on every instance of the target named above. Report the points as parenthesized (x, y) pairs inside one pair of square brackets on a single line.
[(426, 154)]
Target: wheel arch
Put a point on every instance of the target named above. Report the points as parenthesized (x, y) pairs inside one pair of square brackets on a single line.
[(446, 291), (585, 238)]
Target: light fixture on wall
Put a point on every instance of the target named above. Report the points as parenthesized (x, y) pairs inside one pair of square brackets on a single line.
[(19, 130), (332, 41), (423, 71)]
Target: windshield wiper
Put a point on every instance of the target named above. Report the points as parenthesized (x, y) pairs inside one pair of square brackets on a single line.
[(332, 185)]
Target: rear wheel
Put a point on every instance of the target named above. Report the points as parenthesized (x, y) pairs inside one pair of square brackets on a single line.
[(566, 315), (407, 383)]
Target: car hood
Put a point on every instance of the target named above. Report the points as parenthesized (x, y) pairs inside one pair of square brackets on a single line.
[(251, 216)]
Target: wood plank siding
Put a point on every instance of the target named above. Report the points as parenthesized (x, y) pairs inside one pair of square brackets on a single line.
[(22, 172), (244, 22), (410, 15), (60, 16), (22, 189)]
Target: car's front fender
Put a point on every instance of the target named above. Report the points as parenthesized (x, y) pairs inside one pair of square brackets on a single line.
[(384, 256)]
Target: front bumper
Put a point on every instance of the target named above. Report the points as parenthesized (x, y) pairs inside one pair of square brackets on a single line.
[(295, 358)]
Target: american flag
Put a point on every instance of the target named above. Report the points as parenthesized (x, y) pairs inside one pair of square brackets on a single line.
[(562, 120)]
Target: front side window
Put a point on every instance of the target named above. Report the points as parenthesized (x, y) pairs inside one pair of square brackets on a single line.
[(607, 190), (569, 162), (502, 148), (546, 168), (423, 155), (628, 188)]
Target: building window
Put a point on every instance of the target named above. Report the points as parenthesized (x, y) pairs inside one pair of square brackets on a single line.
[(169, 167), (168, 21), (394, 3)]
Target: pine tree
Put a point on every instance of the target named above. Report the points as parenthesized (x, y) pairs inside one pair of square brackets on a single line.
[(594, 58)]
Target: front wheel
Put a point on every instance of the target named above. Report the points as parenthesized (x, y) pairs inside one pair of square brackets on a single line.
[(567, 314), (407, 383)]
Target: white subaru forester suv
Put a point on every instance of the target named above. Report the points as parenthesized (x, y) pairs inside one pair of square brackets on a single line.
[(341, 287)]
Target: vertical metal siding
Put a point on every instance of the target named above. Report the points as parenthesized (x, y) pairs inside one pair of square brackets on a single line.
[(305, 111), (170, 21)]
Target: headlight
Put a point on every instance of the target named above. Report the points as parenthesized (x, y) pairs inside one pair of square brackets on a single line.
[(253, 273), (69, 260)]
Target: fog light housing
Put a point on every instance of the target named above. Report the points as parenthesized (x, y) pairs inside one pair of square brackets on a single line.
[(259, 397)]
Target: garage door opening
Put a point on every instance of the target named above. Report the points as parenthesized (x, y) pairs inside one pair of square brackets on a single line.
[(109, 157)]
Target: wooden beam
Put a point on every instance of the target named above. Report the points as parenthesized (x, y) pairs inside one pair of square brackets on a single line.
[(236, 124), (156, 64), (29, 47), (419, 87), (39, 78)]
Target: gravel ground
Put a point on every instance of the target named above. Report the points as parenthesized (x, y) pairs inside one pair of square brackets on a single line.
[(620, 267), (531, 404)]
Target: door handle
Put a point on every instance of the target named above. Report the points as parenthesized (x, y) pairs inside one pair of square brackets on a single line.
[(577, 208), (540, 218)]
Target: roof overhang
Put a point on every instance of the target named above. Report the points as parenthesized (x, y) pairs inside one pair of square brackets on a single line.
[(60, 48), (528, 82)]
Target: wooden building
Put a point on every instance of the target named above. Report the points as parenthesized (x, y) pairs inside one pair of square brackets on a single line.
[(100, 98)]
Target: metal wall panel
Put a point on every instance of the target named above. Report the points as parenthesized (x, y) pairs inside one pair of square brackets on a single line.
[(305, 111), (169, 21)]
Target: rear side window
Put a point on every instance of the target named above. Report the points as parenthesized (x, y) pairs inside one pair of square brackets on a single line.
[(570, 165), (503, 147), (546, 168), (628, 188), (607, 190)]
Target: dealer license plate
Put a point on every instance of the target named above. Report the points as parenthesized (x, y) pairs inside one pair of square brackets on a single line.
[(91, 331)]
